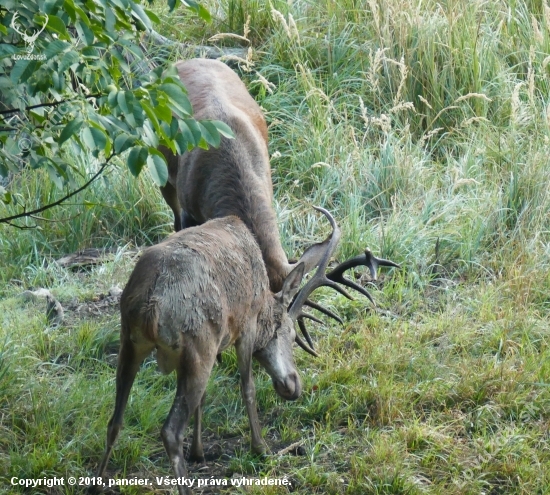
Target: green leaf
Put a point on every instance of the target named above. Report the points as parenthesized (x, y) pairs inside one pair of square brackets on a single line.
[(6, 196), (152, 16), (56, 25), (88, 138), (199, 9), (138, 115), (55, 47), (194, 128), (22, 70), (67, 60), (7, 50), (186, 136), (112, 99), (210, 133), (123, 142), (148, 135), (70, 9), (163, 113), (136, 159), (151, 114), (181, 143), (70, 129), (58, 81), (84, 32), (53, 172), (110, 22), (157, 167), (51, 7), (177, 99), (101, 139), (123, 100), (95, 139), (202, 143), (140, 14), (223, 129)]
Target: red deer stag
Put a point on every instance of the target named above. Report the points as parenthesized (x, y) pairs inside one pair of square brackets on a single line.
[(235, 178), (192, 296)]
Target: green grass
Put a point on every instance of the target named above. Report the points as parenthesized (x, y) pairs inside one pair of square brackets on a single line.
[(424, 128)]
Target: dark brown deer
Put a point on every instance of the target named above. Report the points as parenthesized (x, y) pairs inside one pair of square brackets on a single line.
[(192, 296), (235, 178)]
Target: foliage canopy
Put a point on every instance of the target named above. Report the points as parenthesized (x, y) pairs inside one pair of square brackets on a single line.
[(74, 79)]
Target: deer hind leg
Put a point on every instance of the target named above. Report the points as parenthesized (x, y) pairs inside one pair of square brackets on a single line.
[(193, 374), (196, 453), (130, 358)]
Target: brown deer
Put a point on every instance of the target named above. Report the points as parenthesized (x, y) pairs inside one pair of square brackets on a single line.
[(235, 178), (192, 296)]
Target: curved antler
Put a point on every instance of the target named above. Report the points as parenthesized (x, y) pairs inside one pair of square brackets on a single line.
[(317, 255)]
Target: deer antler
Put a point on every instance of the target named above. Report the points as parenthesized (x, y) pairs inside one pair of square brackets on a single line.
[(367, 259), (318, 256), (333, 279)]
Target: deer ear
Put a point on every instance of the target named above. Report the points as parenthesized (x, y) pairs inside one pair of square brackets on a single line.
[(291, 284)]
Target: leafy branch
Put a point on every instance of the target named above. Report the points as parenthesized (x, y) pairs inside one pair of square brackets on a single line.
[(61, 200), (74, 91)]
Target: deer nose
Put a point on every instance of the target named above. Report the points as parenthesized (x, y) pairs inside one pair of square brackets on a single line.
[(290, 388)]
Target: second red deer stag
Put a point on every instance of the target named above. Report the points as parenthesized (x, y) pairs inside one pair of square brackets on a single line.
[(235, 178), (192, 296)]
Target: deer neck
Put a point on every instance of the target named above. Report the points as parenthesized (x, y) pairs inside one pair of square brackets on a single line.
[(263, 224)]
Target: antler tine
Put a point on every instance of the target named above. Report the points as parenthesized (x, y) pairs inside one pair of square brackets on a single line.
[(310, 317), (300, 342), (350, 283), (323, 310), (319, 277), (38, 31), (302, 325), (367, 259)]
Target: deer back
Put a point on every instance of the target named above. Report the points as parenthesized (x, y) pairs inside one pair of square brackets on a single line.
[(235, 178), (201, 283)]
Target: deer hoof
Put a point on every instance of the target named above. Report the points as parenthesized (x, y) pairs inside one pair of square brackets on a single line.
[(260, 449), (198, 458)]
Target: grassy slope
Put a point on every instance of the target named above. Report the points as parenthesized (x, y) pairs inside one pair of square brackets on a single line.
[(411, 122)]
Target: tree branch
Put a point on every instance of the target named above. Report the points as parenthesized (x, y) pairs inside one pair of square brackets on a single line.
[(42, 105), (59, 201)]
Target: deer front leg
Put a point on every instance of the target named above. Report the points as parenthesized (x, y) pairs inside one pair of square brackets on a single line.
[(244, 359)]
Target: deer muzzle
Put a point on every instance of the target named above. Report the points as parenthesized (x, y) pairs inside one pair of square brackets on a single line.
[(290, 387)]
